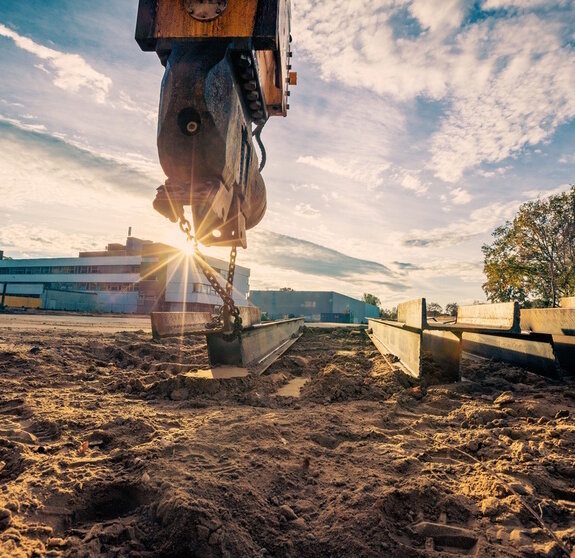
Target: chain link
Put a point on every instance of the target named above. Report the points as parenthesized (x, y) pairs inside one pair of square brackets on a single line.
[(228, 308)]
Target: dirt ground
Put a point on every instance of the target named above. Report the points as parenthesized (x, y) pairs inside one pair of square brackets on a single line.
[(109, 446)]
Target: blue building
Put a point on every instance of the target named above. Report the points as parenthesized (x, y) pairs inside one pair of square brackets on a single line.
[(313, 306)]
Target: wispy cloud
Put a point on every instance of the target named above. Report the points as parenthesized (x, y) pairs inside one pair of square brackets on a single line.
[(306, 210), (459, 196), (411, 181), (70, 71), (480, 222), (497, 77), (369, 175)]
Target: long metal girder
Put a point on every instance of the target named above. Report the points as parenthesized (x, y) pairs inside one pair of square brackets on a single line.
[(501, 317), (180, 324), (535, 354), (553, 321), (534, 339), (432, 356), (257, 347)]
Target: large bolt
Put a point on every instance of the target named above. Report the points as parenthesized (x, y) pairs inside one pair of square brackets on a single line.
[(250, 85), (245, 61)]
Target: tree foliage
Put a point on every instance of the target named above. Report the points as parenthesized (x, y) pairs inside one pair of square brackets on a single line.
[(388, 313), (371, 299), (434, 309), (532, 258), (451, 308)]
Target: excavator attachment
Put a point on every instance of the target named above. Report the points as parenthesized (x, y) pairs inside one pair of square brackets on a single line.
[(227, 71)]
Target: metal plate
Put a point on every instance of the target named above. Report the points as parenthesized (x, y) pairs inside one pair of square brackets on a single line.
[(205, 10)]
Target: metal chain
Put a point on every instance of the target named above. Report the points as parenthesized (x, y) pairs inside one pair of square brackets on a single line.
[(218, 324)]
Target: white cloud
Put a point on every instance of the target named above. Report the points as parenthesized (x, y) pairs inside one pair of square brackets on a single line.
[(437, 14), (479, 222), (510, 97), (498, 77), (298, 187), (410, 181), (71, 72), (459, 196), (369, 175), (524, 4), (306, 210)]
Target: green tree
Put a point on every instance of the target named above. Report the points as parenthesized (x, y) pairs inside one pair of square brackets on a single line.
[(371, 299), (451, 308), (532, 258), (434, 309), (388, 313)]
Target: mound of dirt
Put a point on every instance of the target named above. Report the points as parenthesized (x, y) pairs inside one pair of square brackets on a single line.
[(111, 445)]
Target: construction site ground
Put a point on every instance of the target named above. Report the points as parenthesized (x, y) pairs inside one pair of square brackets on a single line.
[(110, 447)]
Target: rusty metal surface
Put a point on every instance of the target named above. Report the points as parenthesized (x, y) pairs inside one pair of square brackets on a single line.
[(205, 10), (257, 347), (554, 321), (534, 355), (170, 324)]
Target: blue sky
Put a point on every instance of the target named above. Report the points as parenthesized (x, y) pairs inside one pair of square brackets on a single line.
[(415, 129)]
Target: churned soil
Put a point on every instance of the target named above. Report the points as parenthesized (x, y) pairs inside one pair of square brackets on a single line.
[(110, 446)]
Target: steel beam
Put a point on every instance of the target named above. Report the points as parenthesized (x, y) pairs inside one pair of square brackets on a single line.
[(431, 356), (173, 324), (554, 321), (257, 347), (398, 340), (564, 349), (502, 317), (533, 354)]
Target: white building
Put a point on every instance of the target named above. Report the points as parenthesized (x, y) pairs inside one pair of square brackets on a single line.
[(138, 277)]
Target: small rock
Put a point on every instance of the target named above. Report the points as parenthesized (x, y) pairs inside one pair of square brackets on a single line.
[(490, 506), (5, 519), (518, 537), (505, 398), (179, 394), (145, 477), (57, 542), (563, 413), (203, 532), (299, 523), (287, 512)]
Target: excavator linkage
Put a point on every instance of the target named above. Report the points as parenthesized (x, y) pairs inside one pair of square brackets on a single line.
[(227, 71)]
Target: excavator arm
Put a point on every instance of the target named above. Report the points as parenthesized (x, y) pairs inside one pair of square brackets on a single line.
[(227, 71)]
